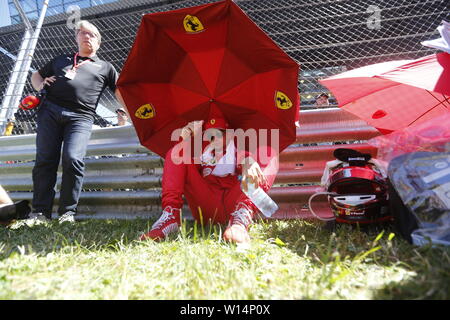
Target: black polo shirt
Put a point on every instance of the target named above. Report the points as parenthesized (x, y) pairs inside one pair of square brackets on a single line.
[(82, 93)]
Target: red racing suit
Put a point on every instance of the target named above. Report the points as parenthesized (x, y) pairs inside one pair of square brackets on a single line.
[(212, 198)]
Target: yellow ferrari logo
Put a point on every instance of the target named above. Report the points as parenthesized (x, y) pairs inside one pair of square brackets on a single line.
[(145, 112), (212, 121), (192, 24), (282, 101)]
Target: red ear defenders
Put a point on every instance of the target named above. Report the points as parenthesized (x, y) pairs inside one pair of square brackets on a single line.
[(29, 102)]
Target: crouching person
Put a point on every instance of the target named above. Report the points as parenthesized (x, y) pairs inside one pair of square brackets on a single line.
[(212, 184)]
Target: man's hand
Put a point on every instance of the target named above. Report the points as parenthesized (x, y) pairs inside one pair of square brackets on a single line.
[(252, 173), (48, 81), (193, 128), (38, 82)]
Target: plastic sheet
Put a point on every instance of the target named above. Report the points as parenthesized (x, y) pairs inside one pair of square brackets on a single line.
[(432, 135)]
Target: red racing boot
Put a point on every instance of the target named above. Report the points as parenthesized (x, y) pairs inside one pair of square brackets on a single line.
[(168, 223), (240, 220)]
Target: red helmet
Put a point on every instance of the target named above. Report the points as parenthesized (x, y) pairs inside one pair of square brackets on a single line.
[(29, 102), (359, 194)]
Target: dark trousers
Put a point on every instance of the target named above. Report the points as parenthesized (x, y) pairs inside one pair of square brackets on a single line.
[(56, 125)]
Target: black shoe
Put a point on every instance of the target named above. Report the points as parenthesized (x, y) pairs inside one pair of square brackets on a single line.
[(7, 213), (19, 210), (22, 209)]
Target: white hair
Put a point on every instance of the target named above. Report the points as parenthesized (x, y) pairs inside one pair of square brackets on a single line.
[(88, 26)]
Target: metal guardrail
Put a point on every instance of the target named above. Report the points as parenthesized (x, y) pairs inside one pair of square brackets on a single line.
[(123, 178)]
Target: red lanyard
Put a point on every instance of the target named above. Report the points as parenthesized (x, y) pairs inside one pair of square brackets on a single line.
[(77, 65)]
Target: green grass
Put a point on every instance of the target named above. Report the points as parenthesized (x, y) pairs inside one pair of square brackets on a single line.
[(286, 260)]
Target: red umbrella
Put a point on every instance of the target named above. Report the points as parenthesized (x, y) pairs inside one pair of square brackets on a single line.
[(187, 61), (394, 95)]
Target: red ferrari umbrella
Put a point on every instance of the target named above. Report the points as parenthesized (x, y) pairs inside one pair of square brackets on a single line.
[(187, 61), (396, 94)]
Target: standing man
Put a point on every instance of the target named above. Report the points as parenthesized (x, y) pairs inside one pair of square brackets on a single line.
[(74, 83), (122, 117), (322, 100)]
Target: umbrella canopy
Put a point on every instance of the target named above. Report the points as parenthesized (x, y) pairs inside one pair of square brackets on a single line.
[(185, 62), (394, 95)]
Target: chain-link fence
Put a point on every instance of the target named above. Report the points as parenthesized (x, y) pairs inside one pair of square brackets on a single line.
[(325, 36)]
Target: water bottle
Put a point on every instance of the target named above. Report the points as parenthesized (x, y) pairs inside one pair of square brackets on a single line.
[(260, 199)]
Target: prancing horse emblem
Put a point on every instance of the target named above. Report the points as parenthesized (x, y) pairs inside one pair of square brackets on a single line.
[(282, 101), (147, 111), (192, 24)]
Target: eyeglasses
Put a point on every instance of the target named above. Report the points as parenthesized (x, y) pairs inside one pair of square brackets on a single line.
[(87, 33)]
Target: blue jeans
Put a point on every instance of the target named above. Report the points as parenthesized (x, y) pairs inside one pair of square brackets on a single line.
[(55, 125)]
